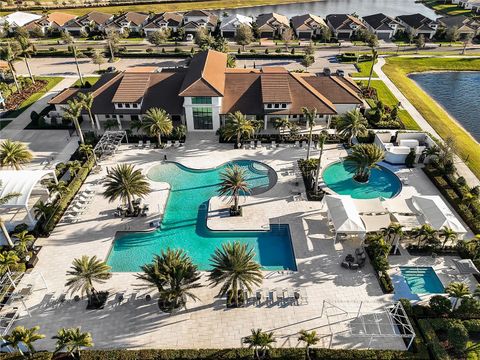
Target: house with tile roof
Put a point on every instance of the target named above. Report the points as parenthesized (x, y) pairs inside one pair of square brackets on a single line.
[(418, 24), (50, 22), (466, 26), (93, 21), (344, 26), (382, 25), (166, 20), (229, 24), (271, 25), (197, 19), (130, 21), (308, 26), (202, 95)]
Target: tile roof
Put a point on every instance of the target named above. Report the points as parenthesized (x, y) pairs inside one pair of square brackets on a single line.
[(235, 20), (132, 88), (97, 17), (379, 21), (170, 18), (337, 91), (136, 18), (58, 18), (264, 19), (275, 88), (416, 21), (343, 21), (308, 20)]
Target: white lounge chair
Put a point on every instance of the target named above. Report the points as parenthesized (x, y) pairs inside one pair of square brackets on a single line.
[(297, 144), (304, 144), (259, 144), (274, 144), (252, 144), (148, 144), (169, 143), (177, 143), (140, 144)]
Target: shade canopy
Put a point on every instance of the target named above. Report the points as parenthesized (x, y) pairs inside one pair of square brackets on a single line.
[(21, 182), (344, 215), (466, 266), (437, 214), (376, 222), (369, 206)]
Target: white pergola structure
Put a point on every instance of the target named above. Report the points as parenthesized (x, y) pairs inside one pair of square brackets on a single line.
[(25, 183), (437, 214), (344, 216), (109, 142)]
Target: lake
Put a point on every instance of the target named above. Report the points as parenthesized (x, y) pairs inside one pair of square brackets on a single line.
[(458, 93), (325, 7)]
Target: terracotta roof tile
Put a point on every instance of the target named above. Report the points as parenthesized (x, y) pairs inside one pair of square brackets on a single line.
[(275, 88), (132, 88)]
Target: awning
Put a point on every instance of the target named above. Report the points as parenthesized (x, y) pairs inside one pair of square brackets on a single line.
[(343, 214), (369, 206), (375, 223), (466, 266)]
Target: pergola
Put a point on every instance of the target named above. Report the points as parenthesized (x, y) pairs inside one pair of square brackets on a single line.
[(344, 216), (109, 142), (22, 182)]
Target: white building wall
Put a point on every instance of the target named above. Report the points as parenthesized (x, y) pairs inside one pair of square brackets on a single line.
[(216, 107)]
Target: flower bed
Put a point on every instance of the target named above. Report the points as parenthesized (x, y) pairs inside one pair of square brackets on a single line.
[(17, 98)]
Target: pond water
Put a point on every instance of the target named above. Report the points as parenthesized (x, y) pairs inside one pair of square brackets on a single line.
[(458, 93), (325, 7)]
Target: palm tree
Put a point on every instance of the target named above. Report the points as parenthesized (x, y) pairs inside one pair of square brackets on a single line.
[(309, 116), (374, 60), (87, 150), (23, 335), (309, 338), (448, 235), (238, 125), (68, 39), (234, 267), (87, 102), (260, 341), (72, 340), (14, 154), (86, 271), (9, 54), (457, 290), (41, 210), (25, 51), (393, 233), (351, 125), (174, 275), (3, 200), (125, 182), (233, 183), (24, 240), (61, 188), (257, 126), (282, 124), (72, 113), (8, 259), (365, 157), (322, 139), (424, 233), (74, 167), (157, 122)]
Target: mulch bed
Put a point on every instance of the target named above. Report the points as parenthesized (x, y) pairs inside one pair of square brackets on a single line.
[(16, 99)]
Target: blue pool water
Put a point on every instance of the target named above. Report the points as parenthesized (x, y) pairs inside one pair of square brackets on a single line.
[(382, 183), (184, 222), (422, 280)]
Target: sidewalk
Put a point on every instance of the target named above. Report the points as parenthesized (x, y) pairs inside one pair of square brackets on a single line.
[(462, 168)]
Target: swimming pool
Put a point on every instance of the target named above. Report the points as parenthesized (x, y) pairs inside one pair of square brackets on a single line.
[(184, 222), (382, 182), (422, 280)]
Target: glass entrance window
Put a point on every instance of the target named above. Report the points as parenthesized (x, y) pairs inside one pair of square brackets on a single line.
[(202, 118), (201, 100)]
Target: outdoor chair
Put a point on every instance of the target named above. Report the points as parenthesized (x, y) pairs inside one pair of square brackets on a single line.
[(120, 297), (259, 144), (140, 144), (272, 296), (345, 264), (259, 295), (304, 144), (148, 144), (252, 144), (354, 266), (280, 294), (274, 144), (177, 144), (169, 143), (89, 190)]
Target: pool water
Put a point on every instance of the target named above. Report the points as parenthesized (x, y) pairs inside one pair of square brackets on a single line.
[(382, 182), (422, 280), (184, 223)]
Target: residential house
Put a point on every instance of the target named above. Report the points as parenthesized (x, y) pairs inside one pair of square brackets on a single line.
[(198, 19), (166, 20), (131, 21), (466, 26), (50, 22), (271, 25), (382, 25), (229, 25), (418, 24), (18, 19), (93, 21), (344, 26), (474, 5), (202, 95), (308, 26)]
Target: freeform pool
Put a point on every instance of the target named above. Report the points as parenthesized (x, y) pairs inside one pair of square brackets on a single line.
[(382, 182), (422, 280), (184, 223)]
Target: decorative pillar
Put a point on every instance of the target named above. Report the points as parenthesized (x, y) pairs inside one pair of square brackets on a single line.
[(119, 122)]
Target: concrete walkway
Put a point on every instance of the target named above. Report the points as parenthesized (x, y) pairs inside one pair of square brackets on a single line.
[(462, 168)]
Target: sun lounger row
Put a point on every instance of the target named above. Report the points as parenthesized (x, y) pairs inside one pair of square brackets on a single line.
[(78, 205), (278, 296)]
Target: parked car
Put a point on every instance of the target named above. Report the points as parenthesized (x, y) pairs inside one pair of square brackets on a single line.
[(189, 37), (111, 69)]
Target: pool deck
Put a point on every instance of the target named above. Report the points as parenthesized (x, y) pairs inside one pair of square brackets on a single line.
[(207, 323)]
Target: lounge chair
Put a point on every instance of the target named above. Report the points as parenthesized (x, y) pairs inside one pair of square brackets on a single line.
[(259, 144), (272, 296), (169, 144), (280, 294), (176, 144), (345, 264), (148, 144), (252, 144), (274, 144), (304, 144), (120, 297), (140, 144), (259, 295), (354, 266), (300, 296), (297, 144)]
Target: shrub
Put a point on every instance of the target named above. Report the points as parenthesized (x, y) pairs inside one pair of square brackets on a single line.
[(149, 50), (432, 340), (266, 51), (19, 228), (458, 336), (440, 305), (469, 308), (461, 181), (407, 306), (34, 116), (410, 159)]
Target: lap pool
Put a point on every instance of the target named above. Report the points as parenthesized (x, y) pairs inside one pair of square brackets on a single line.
[(184, 223)]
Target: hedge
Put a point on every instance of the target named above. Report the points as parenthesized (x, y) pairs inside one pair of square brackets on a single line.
[(433, 344)]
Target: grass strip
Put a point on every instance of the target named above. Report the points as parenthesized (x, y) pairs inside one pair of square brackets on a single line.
[(91, 79), (364, 68)]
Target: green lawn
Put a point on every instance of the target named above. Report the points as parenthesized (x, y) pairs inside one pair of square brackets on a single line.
[(364, 70), (51, 82), (91, 79), (397, 70)]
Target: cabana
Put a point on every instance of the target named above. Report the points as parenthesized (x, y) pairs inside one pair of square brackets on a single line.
[(344, 216), (437, 214)]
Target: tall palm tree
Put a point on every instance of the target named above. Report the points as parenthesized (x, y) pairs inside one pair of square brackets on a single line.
[(257, 126), (233, 183), (234, 267), (86, 99), (282, 124), (365, 157), (238, 126), (157, 122), (24, 240), (25, 50), (9, 53), (351, 125), (74, 167), (22, 335), (374, 60), (309, 116), (68, 39), (7, 260), (72, 113), (309, 338), (174, 275), (86, 271), (14, 154), (72, 340), (424, 233), (448, 235), (87, 150), (125, 182), (393, 233), (260, 341), (322, 139), (457, 290)]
